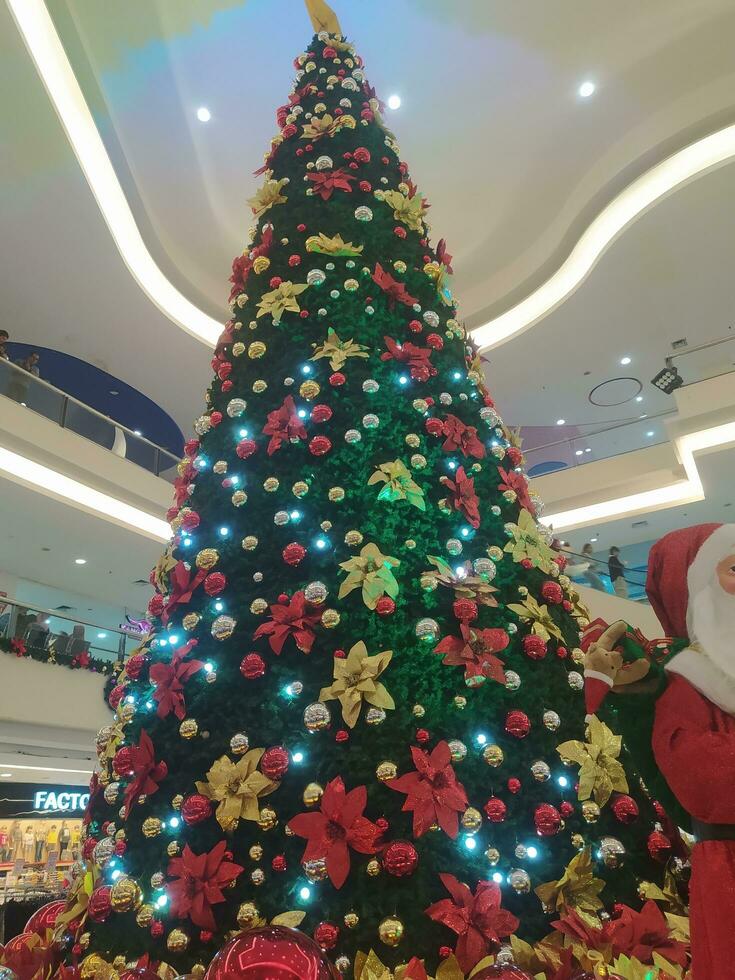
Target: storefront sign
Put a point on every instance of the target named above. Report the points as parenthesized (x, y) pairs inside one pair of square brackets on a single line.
[(60, 802)]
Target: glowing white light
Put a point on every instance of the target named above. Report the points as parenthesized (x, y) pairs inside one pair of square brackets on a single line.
[(586, 89), (295, 515), (209, 667), (186, 542), (174, 822), (321, 543), (130, 699), (243, 433), (562, 780), (101, 636), (403, 379), (639, 398), (137, 432), (203, 114), (173, 638), (561, 421), (305, 894), (625, 360), (301, 413), (116, 874), (394, 102), (579, 452), (80, 561), (298, 757), (497, 877), (224, 531), (306, 369), (649, 434), (161, 901), (457, 375), (481, 738), (532, 851), (219, 606), (470, 843)]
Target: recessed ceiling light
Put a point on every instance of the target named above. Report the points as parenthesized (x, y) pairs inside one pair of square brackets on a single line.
[(625, 360), (561, 421), (592, 540), (639, 398), (644, 416), (5, 775), (114, 392), (101, 636), (579, 452), (137, 432), (394, 102), (588, 450), (586, 89), (203, 114), (80, 561), (649, 434)]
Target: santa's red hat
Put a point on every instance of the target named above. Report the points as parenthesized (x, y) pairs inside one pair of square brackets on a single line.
[(667, 584)]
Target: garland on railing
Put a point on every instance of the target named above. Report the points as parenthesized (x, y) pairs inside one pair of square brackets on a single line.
[(79, 661)]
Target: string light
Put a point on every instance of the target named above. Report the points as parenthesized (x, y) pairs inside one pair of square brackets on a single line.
[(161, 901), (497, 877), (173, 639), (174, 822), (297, 757), (295, 515), (532, 851), (209, 667), (301, 413), (452, 465), (219, 605), (305, 893), (457, 375), (116, 874), (470, 843), (186, 542), (321, 543), (306, 369), (481, 738), (562, 781), (243, 433), (403, 380), (224, 531)]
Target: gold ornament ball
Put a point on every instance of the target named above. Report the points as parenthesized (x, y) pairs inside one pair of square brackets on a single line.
[(590, 811), (460, 701), (118, 963), (390, 931), (315, 870), (257, 876), (351, 920), (493, 855), (267, 818), (326, 526), (249, 543), (207, 558), (258, 607), (519, 881), (151, 827), (190, 621), (312, 794), (330, 619), (93, 966), (353, 539), (259, 386), (126, 895), (85, 939), (239, 743), (493, 755), (471, 820), (373, 868), (173, 848), (256, 852), (613, 852), (418, 462), (188, 728), (578, 842), (176, 801), (300, 488), (336, 494), (144, 916), (428, 582), (157, 879), (247, 915), (271, 484), (126, 712), (198, 971), (413, 441), (238, 349), (420, 405), (495, 553), (418, 711), (177, 941), (261, 264), (316, 716), (239, 498), (386, 770), (309, 390), (256, 350)]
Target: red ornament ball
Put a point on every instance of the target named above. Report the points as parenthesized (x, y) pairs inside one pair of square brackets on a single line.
[(562, 653), (294, 553), (321, 413), (134, 665), (214, 583), (215, 418), (566, 809), (294, 260), (526, 563), (274, 762), (156, 604), (385, 606), (341, 736), (400, 858), (399, 231), (226, 386), (495, 810), (191, 447), (276, 280), (434, 426), (552, 592), (547, 820), (156, 929), (517, 724), (271, 953), (534, 647), (465, 609), (514, 454), (422, 736), (319, 445), (361, 154), (120, 847), (252, 666), (44, 918), (337, 379), (279, 863), (246, 448), (415, 326), (326, 935), (659, 846), (99, 906), (625, 809), (435, 341), (195, 809), (301, 228), (365, 186), (514, 785), (122, 761), (190, 520)]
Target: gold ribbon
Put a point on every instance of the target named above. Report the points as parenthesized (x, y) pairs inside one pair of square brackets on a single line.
[(323, 18)]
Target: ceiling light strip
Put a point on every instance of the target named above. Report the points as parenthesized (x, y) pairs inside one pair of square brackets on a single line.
[(44, 45), (45, 480), (78, 772), (633, 201)]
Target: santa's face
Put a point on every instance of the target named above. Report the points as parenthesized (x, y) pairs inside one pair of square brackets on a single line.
[(726, 574)]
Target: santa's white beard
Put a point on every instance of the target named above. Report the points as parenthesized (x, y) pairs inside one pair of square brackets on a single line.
[(711, 624)]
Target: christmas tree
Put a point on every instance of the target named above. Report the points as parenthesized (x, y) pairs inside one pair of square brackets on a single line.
[(360, 708)]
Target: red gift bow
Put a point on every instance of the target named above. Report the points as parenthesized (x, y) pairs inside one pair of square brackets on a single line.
[(283, 425), (290, 619), (462, 496), (327, 181), (394, 290), (183, 582), (338, 826), (461, 437), (432, 791), (478, 919), (474, 650), (198, 884), (147, 773), (170, 679)]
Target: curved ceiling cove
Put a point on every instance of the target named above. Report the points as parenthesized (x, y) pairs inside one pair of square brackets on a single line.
[(48, 54)]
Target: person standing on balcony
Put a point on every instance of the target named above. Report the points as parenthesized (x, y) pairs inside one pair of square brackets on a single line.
[(19, 384), (616, 568), (590, 575)]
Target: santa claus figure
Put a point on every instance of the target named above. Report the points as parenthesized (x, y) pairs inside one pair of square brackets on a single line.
[(691, 586)]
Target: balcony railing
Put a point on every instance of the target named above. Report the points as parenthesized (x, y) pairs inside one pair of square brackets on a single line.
[(68, 412)]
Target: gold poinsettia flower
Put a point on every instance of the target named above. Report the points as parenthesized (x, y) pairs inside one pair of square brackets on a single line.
[(408, 210), (538, 615), (279, 300), (527, 542), (326, 125), (667, 895), (268, 195), (631, 968), (576, 889), (356, 680), (368, 966), (331, 246), (237, 787), (78, 898), (600, 773), (463, 580), (371, 571), (165, 564), (338, 350), (399, 484), (538, 959)]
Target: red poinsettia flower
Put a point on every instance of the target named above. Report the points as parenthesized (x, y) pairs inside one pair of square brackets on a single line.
[(18, 647), (475, 650), (370, 93), (182, 583), (182, 483), (459, 436), (327, 181), (581, 931), (198, 883), (241, 266), (170, 678), (147, 773), (432, 791), (641, 934), (26, 955), (338, 826), (418, 359), (516, 481), (293, 618), (394, 290), (82, 659), (443, 256), (478, 919), (462, 496), (283, 425)]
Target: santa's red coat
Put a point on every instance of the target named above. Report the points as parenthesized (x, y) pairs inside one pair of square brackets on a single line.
[(694, 746)]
